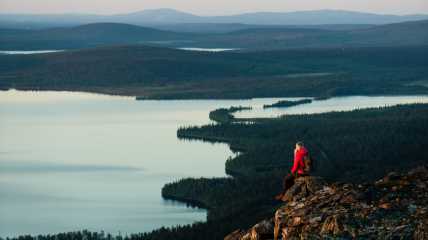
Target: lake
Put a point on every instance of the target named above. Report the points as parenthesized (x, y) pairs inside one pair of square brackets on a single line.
[(208, 49), (328, 105), (29, 52), (72, 161)]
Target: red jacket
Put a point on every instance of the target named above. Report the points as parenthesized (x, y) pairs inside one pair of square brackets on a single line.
[(298, 161)]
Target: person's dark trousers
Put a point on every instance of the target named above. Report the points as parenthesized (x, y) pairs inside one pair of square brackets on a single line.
[(288, 182)]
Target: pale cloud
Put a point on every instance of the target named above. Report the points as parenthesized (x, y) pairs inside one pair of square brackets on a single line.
[(210, 7)]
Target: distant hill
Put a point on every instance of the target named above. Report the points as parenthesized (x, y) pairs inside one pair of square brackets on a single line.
[(266, 18), (231, 27), (171, 16), (88, 35), (406, 33), (250, 37), (397, 34), (316, 17), (162, 15), (272, 38), (113, 31)]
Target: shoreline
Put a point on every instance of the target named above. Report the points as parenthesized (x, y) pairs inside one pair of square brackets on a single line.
[(189, 202), (136, 93)]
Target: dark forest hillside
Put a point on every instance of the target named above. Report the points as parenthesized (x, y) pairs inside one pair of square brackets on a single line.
[(342, 142), (151, 72), (84, 36)]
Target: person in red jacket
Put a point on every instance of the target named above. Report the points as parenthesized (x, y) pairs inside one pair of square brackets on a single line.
[(298, 169), (299, 154)]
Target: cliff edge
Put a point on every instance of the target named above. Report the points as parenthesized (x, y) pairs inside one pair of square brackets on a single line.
[(394, 207)]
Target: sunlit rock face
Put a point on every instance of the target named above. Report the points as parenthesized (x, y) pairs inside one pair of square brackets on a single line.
[(394, 207)]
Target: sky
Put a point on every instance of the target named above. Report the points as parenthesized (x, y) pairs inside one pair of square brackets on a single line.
[(211, 7)]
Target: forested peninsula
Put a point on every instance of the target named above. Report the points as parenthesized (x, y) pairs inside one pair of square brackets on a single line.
[(357, 146)]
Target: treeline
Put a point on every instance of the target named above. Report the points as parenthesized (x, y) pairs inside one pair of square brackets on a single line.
[(151, 72), (77, 235), (352, 146), (226, 196), (196, 231), (287, 103)]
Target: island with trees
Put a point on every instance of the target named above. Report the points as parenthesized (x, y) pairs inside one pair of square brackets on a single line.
[(225, 115), (287, 103)]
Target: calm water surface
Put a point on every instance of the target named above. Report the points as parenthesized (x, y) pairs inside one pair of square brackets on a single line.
[(332, 104), (208, 49), (72, 161), (29, 52)]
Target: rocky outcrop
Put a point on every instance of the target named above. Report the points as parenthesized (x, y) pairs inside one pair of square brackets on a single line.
[(395, 207), (237, 234), (303, 187), (262, 230)]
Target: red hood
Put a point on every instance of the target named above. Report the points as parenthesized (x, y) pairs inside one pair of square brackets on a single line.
[(302, 151)]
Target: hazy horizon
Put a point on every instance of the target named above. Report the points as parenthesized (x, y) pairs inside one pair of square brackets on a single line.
[(209, 8)]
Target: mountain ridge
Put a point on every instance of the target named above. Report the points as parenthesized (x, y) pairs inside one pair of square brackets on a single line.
[(412, 33), (170, 16)]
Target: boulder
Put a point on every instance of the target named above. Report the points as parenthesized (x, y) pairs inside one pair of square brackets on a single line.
[(421, 231), (262, 230), (303, 187), (235, 235)]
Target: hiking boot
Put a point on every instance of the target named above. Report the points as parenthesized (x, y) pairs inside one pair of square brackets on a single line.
[(279, 197)]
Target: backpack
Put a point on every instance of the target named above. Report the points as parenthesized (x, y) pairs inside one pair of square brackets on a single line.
[(308, 163)]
